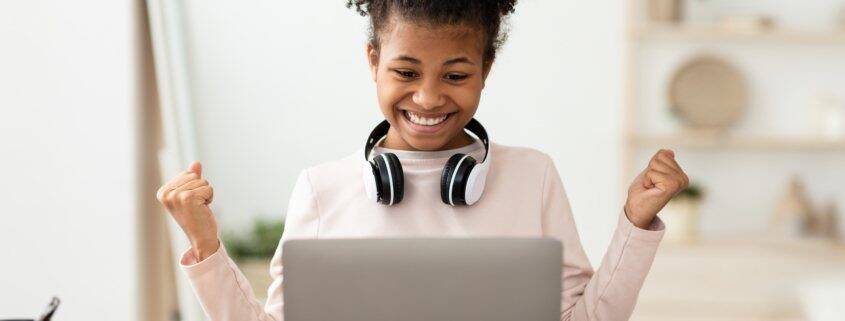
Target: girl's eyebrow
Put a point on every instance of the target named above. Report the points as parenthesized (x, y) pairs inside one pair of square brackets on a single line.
[(408, 59), (450, 61), (458, 60)]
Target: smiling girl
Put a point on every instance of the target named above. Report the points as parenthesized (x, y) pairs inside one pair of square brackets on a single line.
[(424, 175)]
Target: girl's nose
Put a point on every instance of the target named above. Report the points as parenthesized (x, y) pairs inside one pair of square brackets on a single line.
[(429, 96)]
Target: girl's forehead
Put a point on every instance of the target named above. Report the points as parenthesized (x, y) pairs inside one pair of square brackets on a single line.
[(405, 38)]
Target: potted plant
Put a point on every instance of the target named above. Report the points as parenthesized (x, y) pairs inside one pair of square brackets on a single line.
[(681, 215)]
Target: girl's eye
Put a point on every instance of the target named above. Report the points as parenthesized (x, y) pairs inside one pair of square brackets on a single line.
[(456, 77), (406, 74)]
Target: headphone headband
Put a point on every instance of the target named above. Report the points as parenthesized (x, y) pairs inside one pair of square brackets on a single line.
[(473, 127), (462, 182), (375, 137)]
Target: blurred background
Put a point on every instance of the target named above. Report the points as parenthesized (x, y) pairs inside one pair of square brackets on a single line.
[(103, 100)]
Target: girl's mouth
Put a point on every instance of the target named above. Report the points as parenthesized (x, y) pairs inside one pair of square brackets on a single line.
[(425, 123)]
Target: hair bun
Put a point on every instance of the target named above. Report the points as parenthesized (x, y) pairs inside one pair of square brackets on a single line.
[(506, 7), (485, 16), (361, 6)]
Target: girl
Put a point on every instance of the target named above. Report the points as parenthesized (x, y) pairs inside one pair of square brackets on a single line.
[(429, 60)]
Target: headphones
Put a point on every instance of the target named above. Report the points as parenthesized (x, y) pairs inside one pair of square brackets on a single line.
[(461, 183)]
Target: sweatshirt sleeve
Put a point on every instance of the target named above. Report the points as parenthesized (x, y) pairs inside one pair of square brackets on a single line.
[(224, 292), (609, 293)]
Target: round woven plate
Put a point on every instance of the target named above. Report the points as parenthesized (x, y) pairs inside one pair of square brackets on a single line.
[(707, 92)]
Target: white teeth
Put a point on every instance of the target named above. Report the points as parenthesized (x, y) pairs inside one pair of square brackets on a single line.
[(420, 120)]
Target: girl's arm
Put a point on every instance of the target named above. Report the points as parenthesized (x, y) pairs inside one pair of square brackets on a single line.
[(609, 293), (224, 292)]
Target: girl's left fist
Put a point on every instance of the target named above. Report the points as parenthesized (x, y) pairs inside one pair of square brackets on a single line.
[(654, 187)]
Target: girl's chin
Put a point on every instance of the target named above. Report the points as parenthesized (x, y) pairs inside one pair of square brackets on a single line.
[(434, 143), (423, 143)]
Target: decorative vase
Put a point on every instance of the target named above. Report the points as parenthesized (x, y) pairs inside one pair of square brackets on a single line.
[(794, 216), (664, 11), (830, 225)]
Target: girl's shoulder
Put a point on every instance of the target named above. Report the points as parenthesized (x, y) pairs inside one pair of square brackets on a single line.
[(338, 170)]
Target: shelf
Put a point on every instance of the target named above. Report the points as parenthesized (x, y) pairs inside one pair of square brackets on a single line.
[(672, 33), (736, 142)]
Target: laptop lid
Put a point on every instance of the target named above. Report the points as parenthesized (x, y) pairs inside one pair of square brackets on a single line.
[(422, 279)]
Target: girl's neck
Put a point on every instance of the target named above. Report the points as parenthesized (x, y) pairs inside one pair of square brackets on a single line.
[(394, 141)]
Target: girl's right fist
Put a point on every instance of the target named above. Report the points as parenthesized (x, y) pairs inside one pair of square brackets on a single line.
[(187, 197)]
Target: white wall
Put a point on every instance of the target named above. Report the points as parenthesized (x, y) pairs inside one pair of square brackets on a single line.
[(67, 170), (278, 86)]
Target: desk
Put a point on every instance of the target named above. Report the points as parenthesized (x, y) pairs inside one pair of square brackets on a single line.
[(732, 280)]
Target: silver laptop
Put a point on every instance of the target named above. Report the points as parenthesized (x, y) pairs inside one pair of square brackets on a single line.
[(449, 279)]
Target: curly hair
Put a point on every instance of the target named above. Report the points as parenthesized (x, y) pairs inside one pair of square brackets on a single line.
[(486, 14)]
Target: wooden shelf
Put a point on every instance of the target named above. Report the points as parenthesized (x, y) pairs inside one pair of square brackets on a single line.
[(738, 142), (680, 33)]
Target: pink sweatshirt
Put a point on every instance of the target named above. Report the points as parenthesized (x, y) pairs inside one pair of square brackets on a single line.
[(524, 197)]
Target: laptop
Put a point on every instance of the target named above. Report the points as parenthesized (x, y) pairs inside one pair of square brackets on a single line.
[(447, 279)]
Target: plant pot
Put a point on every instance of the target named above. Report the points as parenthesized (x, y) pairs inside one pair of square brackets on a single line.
[(681, 217)]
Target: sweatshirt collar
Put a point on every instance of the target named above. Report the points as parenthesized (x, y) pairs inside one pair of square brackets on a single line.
[(431, 155)]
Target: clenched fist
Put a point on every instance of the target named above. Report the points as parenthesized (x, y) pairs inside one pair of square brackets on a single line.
[(654, 187), (187, 197)]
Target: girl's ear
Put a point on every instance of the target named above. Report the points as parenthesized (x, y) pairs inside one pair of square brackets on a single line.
[(372, 59)]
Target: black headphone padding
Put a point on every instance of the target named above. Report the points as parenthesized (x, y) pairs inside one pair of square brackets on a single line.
[(383, 183), (460, 178), (398, 177), (377, 179)]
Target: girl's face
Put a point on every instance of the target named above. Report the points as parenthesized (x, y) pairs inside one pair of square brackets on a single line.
[(429, 82)]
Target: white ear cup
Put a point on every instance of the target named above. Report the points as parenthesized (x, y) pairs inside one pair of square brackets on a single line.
[(475, 184), (369, 181)]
